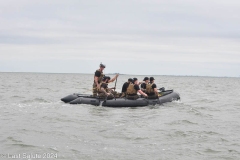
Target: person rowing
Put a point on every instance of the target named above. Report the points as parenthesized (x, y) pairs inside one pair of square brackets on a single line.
[(133, 89), (151, 89)]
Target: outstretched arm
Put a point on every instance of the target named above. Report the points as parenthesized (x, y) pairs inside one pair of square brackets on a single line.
[(114, 78), (140, 83), (156, 91), (141, 92)]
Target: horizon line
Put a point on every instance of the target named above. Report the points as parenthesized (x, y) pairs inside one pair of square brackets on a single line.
[(120, 74)]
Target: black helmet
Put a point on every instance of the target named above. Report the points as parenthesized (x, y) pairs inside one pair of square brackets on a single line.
[(102, 65), (130, 79), (134, 79), (106, 77), (146, 78), (151, 79)]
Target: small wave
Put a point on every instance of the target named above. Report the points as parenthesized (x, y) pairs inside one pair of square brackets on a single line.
[(211, 151), (188, 122), (177, 101), (224, 140), (44, 89), (233, 151), (203, 101), (211, 133), (178, 134), (183, 122), (57, 119), (196, 112), (140, 138), (54, 149), (157, 106), (75, 151), (41, 100), (13, 140), (16, 96), (24, 145)]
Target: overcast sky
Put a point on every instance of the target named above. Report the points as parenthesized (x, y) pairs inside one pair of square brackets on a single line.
[(144, 37)]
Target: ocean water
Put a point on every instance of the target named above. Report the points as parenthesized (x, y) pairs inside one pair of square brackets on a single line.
[(35, 124)]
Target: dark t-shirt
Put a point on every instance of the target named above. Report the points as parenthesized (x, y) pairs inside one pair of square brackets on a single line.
[(143, 85), (97, 73), (154, 86), (125, 86)]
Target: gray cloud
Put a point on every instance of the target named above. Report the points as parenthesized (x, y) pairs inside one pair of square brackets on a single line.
[(186, 34)]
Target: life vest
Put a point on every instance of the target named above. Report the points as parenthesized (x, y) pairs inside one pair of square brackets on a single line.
[(131, 90), (149, 88), (101, 76)]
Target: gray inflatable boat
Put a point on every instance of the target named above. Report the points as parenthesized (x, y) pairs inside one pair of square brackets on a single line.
[(166, 96)]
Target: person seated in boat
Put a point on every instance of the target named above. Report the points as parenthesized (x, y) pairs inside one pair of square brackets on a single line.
[(112, 90), (133, 89), (113, 79), (104, 91), (106, 80), (125, 86), (98, 76), (151, 89), (144, 84)]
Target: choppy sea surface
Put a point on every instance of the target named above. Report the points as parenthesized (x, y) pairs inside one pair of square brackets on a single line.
[(35, 124)]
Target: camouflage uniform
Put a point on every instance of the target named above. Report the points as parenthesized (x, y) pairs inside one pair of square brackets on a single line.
[(95, 89), (102, 94)]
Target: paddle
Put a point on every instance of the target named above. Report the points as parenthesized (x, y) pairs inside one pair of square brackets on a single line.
[(114, 89), (115, 84)]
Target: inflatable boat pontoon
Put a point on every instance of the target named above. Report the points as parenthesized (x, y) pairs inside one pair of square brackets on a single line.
[(166, 96)]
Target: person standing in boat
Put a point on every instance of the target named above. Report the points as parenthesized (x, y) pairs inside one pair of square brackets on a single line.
[(151, 89), (143, 85), (98, 76), (133, 89), (125, 86)]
